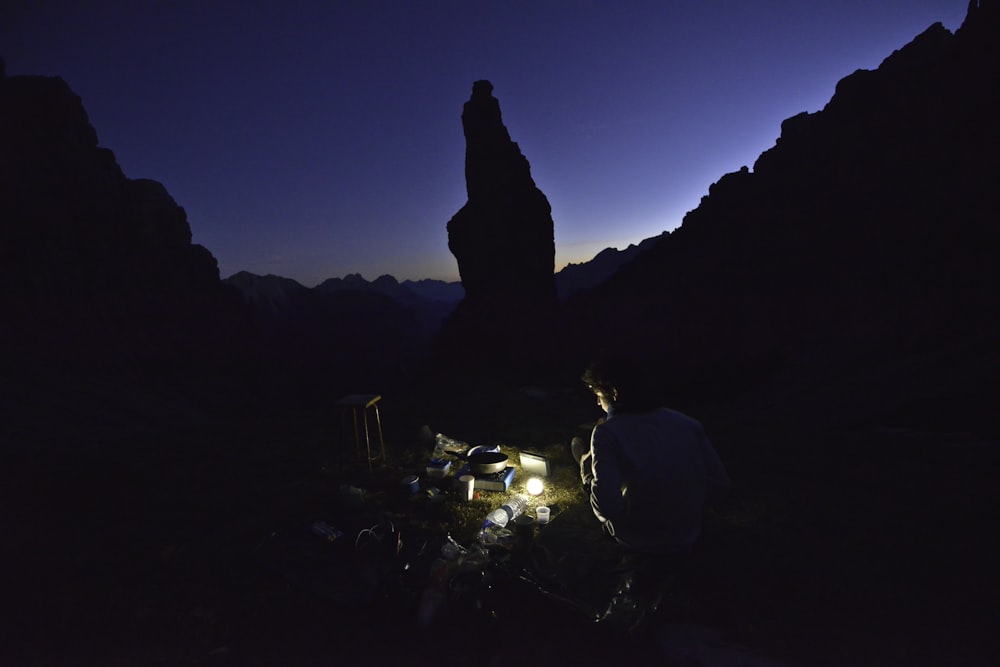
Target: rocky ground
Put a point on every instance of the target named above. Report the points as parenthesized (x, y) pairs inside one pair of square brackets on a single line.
[(142, 527)]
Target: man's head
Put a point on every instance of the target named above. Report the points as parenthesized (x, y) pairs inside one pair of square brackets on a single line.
[(621, 384)]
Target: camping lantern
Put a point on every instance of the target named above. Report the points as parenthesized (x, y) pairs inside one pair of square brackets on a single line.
[(535, 486)]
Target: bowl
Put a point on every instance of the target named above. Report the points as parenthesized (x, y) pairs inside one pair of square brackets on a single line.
[(482, 449), (487, 462)]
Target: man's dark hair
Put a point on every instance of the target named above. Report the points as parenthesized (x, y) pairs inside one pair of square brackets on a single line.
[(630, 377)]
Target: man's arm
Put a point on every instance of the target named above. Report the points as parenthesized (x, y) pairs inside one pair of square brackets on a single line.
[(606, 483), (581, 454)]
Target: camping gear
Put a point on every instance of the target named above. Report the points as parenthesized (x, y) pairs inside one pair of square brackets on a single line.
[(509, 510), (489, 481), (482, 449), (535, 464), (437, 468), (467, 487), (487, 462), (411, 483), (354, 410)]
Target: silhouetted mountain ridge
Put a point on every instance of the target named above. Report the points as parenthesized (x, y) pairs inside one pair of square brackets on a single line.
[(853, 266), (858, 253), (287, 299), (586, 275), (570, 279), (98, 268), (311, 333)]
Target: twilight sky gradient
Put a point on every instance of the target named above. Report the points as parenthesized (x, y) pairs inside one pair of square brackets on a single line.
[(316, 139)]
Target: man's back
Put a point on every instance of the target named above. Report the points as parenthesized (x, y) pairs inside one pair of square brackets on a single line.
[(653, 473)]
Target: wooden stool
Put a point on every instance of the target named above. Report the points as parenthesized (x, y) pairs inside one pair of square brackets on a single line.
[(352, 405)]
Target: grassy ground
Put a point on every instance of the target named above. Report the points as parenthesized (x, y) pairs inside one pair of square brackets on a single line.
[(141, 528)]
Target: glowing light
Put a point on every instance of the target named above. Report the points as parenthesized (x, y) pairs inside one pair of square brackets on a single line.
[(535, 486)]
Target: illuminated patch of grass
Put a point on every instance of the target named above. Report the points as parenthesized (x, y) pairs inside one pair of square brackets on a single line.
[(463, 519)]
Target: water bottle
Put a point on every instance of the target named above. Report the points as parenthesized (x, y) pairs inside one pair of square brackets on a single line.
[(507, 512)]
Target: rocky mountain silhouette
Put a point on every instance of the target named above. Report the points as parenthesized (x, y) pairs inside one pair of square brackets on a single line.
[(100, 272), (350, 306), (437, 290), (503, 240), (431, 300), (437, 298), (574, 278), (854, 265), (98, 268), (848, 278), (345, 328), (503, 237)]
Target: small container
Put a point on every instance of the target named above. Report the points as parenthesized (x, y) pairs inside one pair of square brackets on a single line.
[(466, 487), (543, 513), (411, 483)]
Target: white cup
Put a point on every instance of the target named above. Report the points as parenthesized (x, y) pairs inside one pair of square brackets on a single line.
[(542, 514), (466, 486)]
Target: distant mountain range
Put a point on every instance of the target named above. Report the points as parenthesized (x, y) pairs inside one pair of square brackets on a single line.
[(432, 300), (575, 278), (273, 296)]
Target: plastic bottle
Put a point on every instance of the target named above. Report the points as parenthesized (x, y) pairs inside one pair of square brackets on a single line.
[(507, 512), (443, 443)]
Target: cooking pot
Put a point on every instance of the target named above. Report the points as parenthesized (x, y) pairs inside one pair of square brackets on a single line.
[(484, 463)]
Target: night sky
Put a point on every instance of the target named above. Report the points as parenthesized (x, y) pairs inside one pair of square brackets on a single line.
[(316, 139)]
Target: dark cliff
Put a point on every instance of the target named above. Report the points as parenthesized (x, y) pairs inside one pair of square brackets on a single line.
[(855, 263), (503, 239), (97, 268)]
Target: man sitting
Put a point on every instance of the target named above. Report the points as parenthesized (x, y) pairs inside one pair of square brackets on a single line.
[(649, 472)]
